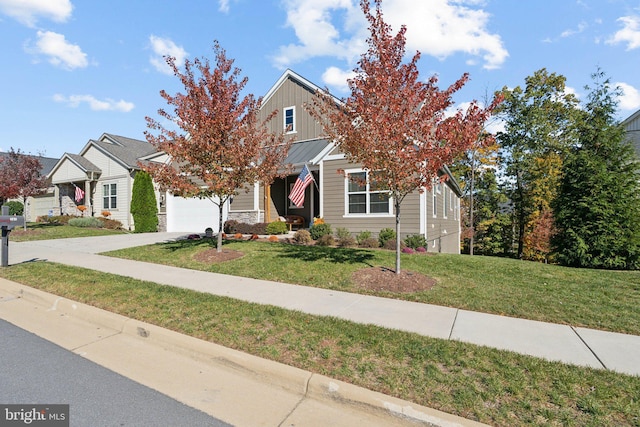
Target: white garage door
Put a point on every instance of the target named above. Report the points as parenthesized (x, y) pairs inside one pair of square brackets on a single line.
[(191, 215)]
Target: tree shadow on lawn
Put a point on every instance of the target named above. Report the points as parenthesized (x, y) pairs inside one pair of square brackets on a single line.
[(182, 244), (335, 255)]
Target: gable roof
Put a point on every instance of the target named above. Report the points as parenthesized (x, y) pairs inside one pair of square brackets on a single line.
[(631, 118), (289, 74), (83, 164), (126, 151)]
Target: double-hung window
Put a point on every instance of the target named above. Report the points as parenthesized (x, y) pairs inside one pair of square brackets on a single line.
[(109, 196), (363, 197), (290, 119)]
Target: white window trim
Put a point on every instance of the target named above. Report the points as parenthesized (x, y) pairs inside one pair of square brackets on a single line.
[(284, 120), (434, 201), (110, 208), (444, 201), (367, 214)]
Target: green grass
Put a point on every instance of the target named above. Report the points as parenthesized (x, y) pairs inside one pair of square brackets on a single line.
[(495, 387), (46, 231), (598, 299)]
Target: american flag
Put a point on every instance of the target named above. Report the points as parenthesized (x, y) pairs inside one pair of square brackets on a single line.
[(79, 194), (297, 192)]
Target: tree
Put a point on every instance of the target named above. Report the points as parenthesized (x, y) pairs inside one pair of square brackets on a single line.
[(221, 146), (597, 211), (143, 204), (394, 124), (539, 130), (20, 177)]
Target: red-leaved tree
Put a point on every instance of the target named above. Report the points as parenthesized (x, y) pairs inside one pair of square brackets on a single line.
[(394, 123), (221, 145), (20, 177)]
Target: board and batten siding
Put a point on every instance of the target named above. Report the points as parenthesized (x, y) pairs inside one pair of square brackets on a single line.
[(123, 199), (291, 94), (68, 172)]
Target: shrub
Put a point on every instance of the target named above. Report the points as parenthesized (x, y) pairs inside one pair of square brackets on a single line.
[(319, 230), (59, 219), (302, 237), (88, 221), (391, 244), (345, 239), (110, 224), (421, 249), (370, 242), (144, 208), (15, 207), (237, 236), (362, 236), (385, 235), (326, 240), (277, 227), (244, 228), (273, 239), (230, 226), (415, 241), (407, 250)]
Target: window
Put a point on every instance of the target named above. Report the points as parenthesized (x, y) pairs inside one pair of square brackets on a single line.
[(363, 197), (109, 196), (290, 119)]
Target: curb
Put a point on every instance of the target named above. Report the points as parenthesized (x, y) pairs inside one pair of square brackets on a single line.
[(307, 384)]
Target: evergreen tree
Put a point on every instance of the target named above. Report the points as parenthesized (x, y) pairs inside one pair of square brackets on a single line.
[(597, 211), (143, 204)]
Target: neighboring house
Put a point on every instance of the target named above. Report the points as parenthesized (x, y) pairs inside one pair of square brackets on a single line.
[(41, 204), (100, 178), (340, 202), (632, 126)]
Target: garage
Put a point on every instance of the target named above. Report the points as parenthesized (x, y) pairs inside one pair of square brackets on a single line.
[(191, 215)]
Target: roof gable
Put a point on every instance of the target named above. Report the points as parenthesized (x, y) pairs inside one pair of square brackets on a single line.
[(291, 75), (80, 162), (126, 151)]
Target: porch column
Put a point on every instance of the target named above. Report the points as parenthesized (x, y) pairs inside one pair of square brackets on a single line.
[(267, 203), (87, 197)]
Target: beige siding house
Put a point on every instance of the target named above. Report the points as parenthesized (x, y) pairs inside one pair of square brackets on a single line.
[(334, 197), (632, 127), (103, 173)]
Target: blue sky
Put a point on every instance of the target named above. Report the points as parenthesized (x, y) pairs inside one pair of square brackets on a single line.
[(74, 69)]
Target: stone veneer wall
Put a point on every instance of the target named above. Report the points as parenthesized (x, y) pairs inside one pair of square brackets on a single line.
[(247, 217)]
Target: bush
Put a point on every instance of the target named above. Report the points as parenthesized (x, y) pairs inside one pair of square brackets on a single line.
[(385, 235), (326, 240), (15, 207), (59, 219), (273, 239), (362, 236), (370, 242), (345, 239), (407, 250), (230, 226), (110, 224), (391, 244), (421, 249), (244, 228), (302, 237), (88, 221), (144, 208), (416, 241), (319, 230), (277, 227)]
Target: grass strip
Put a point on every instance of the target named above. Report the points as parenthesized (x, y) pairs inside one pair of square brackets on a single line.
[(492, 386), (597, 299)]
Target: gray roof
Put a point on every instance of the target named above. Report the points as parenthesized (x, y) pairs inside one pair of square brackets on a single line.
[(84, 163), (127, 150), (305, 151), (46, 163)]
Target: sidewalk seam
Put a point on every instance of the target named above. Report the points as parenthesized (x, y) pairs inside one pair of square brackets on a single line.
[(453, 325), (590, 349), (304, 397)]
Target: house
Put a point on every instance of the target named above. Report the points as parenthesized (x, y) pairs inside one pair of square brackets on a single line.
[(339, 201), (41, 204), (632, 126), (100, 178)]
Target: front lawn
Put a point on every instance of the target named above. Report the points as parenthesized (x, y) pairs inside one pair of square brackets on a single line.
[(495, 387), (598, 299), (46, 231)]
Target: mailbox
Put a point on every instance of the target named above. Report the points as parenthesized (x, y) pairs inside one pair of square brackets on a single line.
[(7, 223)]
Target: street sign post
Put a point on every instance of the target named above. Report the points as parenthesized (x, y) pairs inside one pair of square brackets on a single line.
[(8, 222)]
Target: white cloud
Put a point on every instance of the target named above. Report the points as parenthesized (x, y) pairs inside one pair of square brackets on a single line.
[(630, 99), (629, 34), (337, 78), (61, 53), (570, 32), (434, 27), (165, 47), (223, 5), (27, 12), (95, 104)]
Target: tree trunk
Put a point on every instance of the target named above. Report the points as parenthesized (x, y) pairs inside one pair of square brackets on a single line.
[(220, 225), (398, 249)]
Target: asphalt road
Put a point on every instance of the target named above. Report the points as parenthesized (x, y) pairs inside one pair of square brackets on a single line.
[(35, 371)]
